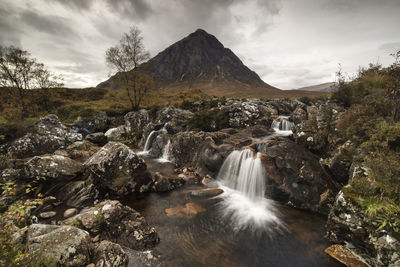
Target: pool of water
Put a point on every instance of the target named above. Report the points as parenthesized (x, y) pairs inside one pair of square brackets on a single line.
[(194, 232)]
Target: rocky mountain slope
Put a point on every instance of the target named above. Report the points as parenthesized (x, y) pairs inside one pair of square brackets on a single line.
[(323, 87)]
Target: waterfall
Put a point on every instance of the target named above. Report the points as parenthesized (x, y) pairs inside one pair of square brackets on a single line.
[(282, 125), (150, 138), (243, 179), (165, 156), (244, 172)]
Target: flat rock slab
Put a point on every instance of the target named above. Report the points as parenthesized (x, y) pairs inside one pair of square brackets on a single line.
[(187, 211), (70, 212), (47, 214), (345, 256), (207, 192)]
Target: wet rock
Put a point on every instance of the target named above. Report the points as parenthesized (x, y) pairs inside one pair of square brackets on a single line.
[(163, 183), (295, 175), (187, 211), (145, 259), (116, 133), (67, 245), (97, 138), (207, 192), (53, 168), (78, 194), (339, 165), (136, 120), (209, 181), (108, 254), (70, 212), (286, 106), (347, 222), (346, 256), (47, 214), (117, 223), (117, 168)]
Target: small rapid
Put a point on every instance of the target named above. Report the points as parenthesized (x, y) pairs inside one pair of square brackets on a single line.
[(282, 125)]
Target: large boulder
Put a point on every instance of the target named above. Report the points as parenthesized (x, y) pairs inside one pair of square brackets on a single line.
[(109, 254), (117, 168), (53, 168), (172, 114), (97, 138), (49, 135), (241, 114), (136, 120), (116, 133), (295, 175), (348, 223), (66, 245), (117, 223), (99, 122), (81, 150), (78, 194)]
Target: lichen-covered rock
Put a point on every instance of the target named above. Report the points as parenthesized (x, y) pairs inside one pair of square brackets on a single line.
[(117, 223), (162, 183), (109, 254), (241, 114), (299, 115), (54, 168), (295, 175), (81, 150), (99, 123), (172, 114), (347, 223), (116, 133), (66, 245), (136, 120), (49, 135), (118, 169)]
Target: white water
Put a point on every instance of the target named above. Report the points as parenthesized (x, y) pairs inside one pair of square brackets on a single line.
[(243, 179), (166, 153), (282, 125), (149, 140)]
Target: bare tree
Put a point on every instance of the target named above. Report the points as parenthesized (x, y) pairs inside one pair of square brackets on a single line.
[(125, 58), (19, 72)]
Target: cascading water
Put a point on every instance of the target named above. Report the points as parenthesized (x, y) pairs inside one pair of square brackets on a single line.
[(166, 153), (282, 125), (150, 138), (243, 179)]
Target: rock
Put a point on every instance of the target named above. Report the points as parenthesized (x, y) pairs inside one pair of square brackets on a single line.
[(299, 115), (163, 183), (207, 192), (187, 211), (116, 133), (136, 120), (118, 223), (67, 245), (117, 168), (100, 123), (108, 254), (145, 259), (54, 168), (12, 174), (49, 135), (97, 138), (82, 150), (346, 256), (171, 114), (70, 212), (339, 165), (347, 222), (241, 114), (78, 194), (285, 105), (47, 214), (295, 175), (209, 181), (34, 144)]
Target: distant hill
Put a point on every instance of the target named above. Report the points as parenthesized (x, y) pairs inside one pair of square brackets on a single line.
[(324, 87), (200, 62)]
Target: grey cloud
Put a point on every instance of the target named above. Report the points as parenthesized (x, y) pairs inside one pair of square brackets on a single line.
[(390, 47)]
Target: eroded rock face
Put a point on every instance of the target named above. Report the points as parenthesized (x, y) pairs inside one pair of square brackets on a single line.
[(295, 175), (136, 120), (118, 223), (117, 168), (78, 194), (109, 254), (54, 168), (67, 245), (348, 223)]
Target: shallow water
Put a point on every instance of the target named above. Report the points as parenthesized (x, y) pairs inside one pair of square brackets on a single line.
[(194, 232)]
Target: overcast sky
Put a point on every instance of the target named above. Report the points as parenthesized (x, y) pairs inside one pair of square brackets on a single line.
[(289, 43)]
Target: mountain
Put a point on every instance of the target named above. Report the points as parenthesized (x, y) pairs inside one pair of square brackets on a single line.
[(324, 87), (201, 62)]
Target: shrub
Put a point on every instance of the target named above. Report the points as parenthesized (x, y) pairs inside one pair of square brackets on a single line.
[(10, 131)]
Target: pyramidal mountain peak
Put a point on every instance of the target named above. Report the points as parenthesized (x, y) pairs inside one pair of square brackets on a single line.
[(201, 61)]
